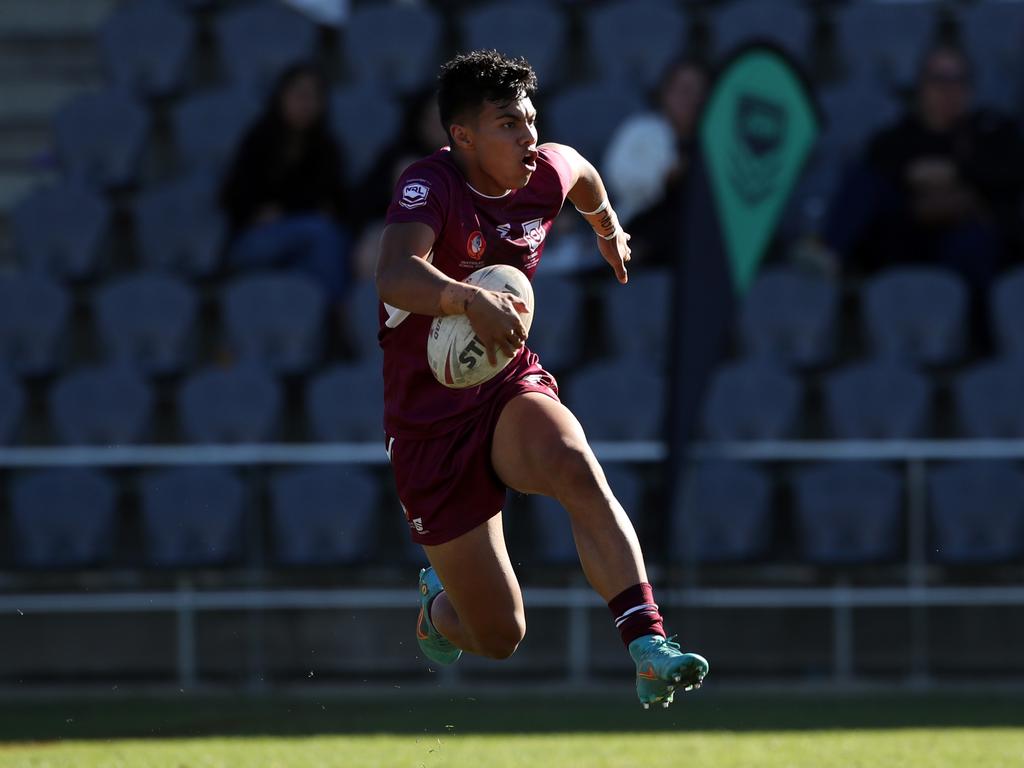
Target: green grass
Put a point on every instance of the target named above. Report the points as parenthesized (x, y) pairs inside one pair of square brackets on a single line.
[(406, 730)]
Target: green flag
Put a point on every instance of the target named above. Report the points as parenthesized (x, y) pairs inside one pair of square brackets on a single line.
[(756, 132)]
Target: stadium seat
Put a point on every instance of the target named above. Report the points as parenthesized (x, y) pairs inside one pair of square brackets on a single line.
[(59, 230), (101, 405), (63, 518), (258, 41), (883, 41), (192, 517), (346, 403), (12, 403), (179, 226), (586, 116), (209, 125), (787, 25), (33, 317), (230, 405), (789, 317), (916, 314), (557, 324), (394, 46), (1007, 307), (364, 318), (993, 33), (553, 538), (752, 400), (638, 318), (535, 29), (878, 400), (146, 46), (848, 514), (352, 109), (977, 513), (646, 35), (323, 515), (100, 138), (988, 399), (615, 400), (276, 318), (146, 321), (726, 517)]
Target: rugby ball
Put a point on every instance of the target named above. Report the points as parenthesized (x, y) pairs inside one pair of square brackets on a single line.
[(456, 356)]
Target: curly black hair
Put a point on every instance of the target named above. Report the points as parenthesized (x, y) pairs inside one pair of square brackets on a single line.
[(470, 79)]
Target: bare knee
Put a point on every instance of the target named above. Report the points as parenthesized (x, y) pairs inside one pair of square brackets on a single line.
[(500, 639), (574, 474)]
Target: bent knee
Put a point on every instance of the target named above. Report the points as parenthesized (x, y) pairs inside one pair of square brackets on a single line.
[(573, 471), (499, 641)]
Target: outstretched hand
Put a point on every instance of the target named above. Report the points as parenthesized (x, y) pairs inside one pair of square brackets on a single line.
[(616, 253)]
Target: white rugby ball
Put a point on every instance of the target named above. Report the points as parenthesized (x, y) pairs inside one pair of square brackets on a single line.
[(456, 356)]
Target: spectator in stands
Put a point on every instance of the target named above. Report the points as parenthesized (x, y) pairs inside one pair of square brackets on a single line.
[(942, 186), (284, 192), (647, 159)]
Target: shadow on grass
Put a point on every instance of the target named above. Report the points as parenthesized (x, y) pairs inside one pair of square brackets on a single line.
[(98, 718)]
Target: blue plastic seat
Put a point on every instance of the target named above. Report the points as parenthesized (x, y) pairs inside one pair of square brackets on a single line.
[(615, 400), (209, 125), (192, 517), (988, 399), (346, 403), (59, 230), (276, 318), (883, 41), (586, 116), (146, 320), (849, 513), (977, 513), (790, 317), (1007, 308), (752, 400), (785, 24), (230, 405), (554, 541), (352, 109), (556, 333), (180, 227), (534, 29), (100, 138), (993, 33), (396, 46), (101, 405), (877, 400), (646, 36), (916, 314), (12, 403), (33, 316), (258, 41), (323, 516), (63, 518), (638, 317), (147, 46), (727, 515)]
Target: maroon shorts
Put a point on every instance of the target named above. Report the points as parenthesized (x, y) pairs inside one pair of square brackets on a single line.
[(447, 484)]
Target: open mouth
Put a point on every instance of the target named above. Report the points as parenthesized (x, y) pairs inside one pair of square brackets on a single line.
[(530, 160)]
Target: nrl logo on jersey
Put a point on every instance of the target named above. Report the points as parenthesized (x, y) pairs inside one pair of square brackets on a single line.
[(414, 194), (534, 233)]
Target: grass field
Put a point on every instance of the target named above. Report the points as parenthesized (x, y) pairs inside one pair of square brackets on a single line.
[(712, 731)]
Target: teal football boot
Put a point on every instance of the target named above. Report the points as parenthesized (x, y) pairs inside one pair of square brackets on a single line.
[(661, 667), (434, 645)]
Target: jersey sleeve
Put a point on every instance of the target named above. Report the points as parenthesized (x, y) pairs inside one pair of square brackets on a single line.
[(421, 195), (550, 154)]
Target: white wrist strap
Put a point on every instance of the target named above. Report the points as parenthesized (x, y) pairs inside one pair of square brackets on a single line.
[(595, 211), (612, 236)]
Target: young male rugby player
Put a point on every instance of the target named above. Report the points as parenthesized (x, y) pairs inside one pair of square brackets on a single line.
[(491, 197)]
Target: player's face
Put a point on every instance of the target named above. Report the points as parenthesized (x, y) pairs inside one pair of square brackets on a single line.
[(505, 143)]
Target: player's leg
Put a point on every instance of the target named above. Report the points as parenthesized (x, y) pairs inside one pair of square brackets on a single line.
[(540, 447), (481, 607)]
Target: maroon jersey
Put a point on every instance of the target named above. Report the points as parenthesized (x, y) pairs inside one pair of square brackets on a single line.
[(472, 230)]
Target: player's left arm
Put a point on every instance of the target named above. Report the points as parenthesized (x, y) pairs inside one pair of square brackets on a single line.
[(588, 194)]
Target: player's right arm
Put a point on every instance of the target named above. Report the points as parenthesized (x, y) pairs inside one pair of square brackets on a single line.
[(407, 280)]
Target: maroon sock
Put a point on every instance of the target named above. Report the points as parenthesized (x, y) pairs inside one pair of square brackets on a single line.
[(636, 613)]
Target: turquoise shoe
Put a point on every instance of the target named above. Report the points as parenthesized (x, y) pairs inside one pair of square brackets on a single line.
[(661, 667), (434, 645)]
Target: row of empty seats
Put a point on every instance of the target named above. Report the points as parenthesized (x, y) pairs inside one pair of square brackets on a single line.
[(843, 514)]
